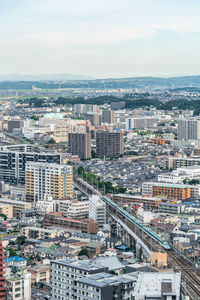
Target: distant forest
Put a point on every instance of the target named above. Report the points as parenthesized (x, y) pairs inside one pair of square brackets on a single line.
[(131, 102)]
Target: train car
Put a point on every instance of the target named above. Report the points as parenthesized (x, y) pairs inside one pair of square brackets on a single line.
[(162, 242)]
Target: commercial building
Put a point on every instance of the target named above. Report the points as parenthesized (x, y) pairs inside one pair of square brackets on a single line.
[(97, 210), (140, 123), (189, 129), (13, 163), (157, 285), (80, 144), (109, 144), (146, 202), (108, 116), (64, 274), (18, 206), (7, 210), (56, 219), (43, 179)]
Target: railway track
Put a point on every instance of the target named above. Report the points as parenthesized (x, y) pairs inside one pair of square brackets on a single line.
[(190, 277)]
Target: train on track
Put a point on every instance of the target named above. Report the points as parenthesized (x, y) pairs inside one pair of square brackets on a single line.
[(129, 217)]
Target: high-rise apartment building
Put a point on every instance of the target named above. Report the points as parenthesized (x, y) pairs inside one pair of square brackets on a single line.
[(80, 144), (109, 144), (12, 164), (14, 124), (189, 129), (108, 116), (43, 179)]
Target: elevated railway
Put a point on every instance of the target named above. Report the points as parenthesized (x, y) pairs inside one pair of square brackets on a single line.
[(149, 240)]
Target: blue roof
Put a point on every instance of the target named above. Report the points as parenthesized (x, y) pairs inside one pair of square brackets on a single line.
[(122, 247), (15, 259)]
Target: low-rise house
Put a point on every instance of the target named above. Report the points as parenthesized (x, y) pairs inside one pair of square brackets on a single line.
[(40, 273)]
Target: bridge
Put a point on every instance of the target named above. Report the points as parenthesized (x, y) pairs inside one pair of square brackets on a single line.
[(146, 241)]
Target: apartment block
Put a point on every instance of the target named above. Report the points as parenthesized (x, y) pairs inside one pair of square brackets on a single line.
[(108, 116), (97, 210), (147, 202), (43, 179), (18, 206), (140, 123), (169, 191), (14, 124), (78, 210), (13, 163), (39, 233), (189, 129), (7, 210), (64, 274), (80, 144), (179, 162), (19, 286), (57, 219), (109, 144)]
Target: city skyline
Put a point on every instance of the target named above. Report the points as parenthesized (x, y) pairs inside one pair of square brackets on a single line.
[(100, 39)]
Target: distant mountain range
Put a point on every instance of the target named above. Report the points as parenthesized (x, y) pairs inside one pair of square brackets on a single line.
[(55, 81), (43, 77)]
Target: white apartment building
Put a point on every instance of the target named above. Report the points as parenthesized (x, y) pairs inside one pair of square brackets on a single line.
[(97, 210), (78, 210), (47, 205), (48, 179), (39, 233), (179, 175), (140, 123), (65, 272), (19, 286)]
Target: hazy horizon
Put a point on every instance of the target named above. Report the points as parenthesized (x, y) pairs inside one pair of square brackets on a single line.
[(100, 39)]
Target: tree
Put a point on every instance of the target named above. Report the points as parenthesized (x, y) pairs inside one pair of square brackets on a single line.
[(51, 141), (12, 252), (20, 241), (84, 251)]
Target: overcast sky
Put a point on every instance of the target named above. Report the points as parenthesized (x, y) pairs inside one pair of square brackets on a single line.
[(100, 38)]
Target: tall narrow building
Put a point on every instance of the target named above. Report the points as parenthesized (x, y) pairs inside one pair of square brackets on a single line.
[(189, 129), (44, 179), (108, 116), (2, 274), (109, 144), (80, 144)]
